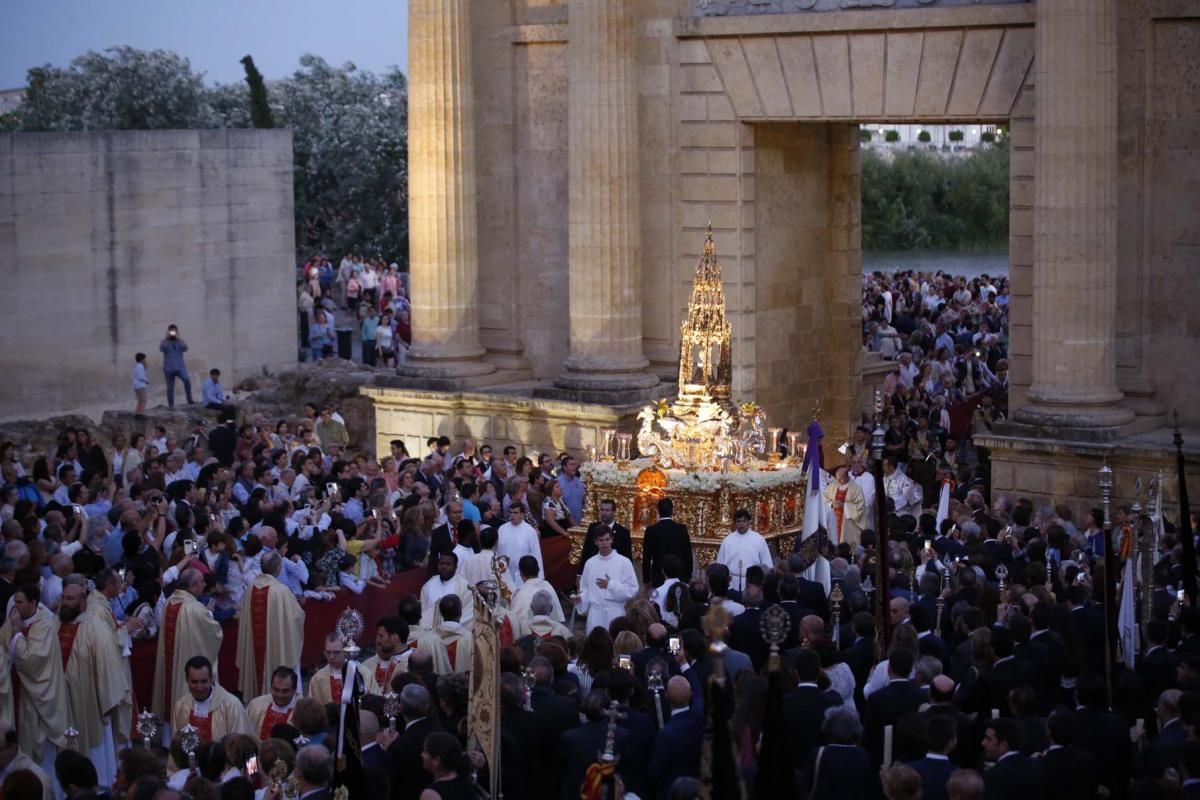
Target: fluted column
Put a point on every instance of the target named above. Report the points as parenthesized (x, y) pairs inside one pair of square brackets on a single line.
[(1075, 218), (604, 219), (443, 255)]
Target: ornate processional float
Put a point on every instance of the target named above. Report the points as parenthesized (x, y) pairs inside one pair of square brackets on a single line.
[(708, 455)]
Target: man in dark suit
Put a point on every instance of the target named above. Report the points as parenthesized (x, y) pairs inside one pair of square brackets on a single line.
[(314, 771), (1167, 747), (553, 715), (677, 746), (1056, 657), (809, 594), (1075, 772), (641, 726), (372, 754), (789, 591), (746, 632), (860, 655), (445, 537), (1088, 619), (1006, 674), (935, 768), (804, 707), (1014, 774), (521, 745), (927, 639), (409, 777), (886, 706), (580, 746), (622, 542), (663, 538), (965, 753), (657, 638), (1102, 733), (1156, 668)]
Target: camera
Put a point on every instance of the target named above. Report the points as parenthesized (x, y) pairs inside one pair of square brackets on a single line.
[(189, 547), (625, 662), (673, 645)]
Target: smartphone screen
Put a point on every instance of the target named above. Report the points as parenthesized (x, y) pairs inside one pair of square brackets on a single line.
[(625, 662), (673, 645), (252, 766)]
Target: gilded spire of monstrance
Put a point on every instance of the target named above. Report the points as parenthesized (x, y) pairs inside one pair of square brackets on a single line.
[(705, 350)]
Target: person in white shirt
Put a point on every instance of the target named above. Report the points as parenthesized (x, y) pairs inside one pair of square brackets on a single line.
[(742, 549), (607, 583), (518, 538), (672, 569), (908, 371)]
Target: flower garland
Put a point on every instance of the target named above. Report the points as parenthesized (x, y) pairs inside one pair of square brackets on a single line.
[(705, 481)]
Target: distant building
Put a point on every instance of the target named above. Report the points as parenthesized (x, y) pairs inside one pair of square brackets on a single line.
[(939, 137)]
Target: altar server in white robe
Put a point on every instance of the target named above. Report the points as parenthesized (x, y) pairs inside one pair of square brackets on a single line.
[(742, 549), (446, 581), (607, 583)]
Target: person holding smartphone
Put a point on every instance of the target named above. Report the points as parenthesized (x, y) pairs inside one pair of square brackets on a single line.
[(173, 347)]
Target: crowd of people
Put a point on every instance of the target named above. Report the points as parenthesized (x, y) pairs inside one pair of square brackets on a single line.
[(366, 294), (948, 338), (992, 682)]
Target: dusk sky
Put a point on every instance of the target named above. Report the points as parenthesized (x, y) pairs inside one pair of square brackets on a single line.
[(213, 34)]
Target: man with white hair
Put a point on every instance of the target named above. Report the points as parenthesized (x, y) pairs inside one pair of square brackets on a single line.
[(520, 608), (540, 621), (270, 630)]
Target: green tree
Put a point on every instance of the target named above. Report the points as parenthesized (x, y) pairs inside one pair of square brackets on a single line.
[(260, 106), (917, 199), (120, 89), (350, 140)]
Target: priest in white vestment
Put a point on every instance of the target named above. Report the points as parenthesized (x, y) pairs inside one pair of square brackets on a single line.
[(607, 583), (447, 581), (742, 549), (520, 607), (478, 567), (904, 492), (540, 620), (268, 710), (325, 686), (214, 712)]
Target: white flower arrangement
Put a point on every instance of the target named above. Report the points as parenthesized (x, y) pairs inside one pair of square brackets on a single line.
[(704, 481)]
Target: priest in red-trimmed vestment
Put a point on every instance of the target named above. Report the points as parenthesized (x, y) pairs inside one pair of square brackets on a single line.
[(208, 707), (270, 629), (33, 692), (325, 686), (95, 676), (188, 629), (269, 710), (457, 637)]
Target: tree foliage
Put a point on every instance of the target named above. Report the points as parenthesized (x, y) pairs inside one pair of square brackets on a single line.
[(260, 106), (349, 129), (917, 199)]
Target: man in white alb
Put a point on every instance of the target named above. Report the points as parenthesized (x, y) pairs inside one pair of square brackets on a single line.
[(447, 581), (866, 482), (607, 583), (518, 538), (742, 549)]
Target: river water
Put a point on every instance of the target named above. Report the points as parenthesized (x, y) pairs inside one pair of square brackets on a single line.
[(970, 263)]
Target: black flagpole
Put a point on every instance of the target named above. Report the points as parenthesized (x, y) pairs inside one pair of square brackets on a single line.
[(1185, 520)]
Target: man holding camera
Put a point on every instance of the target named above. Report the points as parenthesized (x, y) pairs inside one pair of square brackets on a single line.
[(173, 348)]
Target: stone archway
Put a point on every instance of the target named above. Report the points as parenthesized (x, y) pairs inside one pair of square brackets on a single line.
[(769, 151)]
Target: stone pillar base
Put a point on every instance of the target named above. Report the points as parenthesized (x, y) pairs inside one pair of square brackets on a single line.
[(1064, 409), (583, 374)]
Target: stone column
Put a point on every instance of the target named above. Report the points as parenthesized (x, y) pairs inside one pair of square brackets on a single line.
[(443, 255), (1075, 218), (604, 219)]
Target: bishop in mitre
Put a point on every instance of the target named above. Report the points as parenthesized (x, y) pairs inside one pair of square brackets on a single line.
[(270, 630), (269, 710), (214, 712), (96, 684), (447, 581), (325, 686), (520, 608), (188, 629), (849, 506), (33, 692)]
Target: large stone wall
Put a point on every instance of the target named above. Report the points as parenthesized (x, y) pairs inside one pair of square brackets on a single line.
[(107, 237)]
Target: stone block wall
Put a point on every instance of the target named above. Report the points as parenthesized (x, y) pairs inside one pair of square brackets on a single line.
[(108, 237)]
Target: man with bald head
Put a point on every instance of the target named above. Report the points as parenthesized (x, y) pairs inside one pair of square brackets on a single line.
[(677, 746), (270, 629), (965, 752), (898, 609), (97, 681), (188, 630)]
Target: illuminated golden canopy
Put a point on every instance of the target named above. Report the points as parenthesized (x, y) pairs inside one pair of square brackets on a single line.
[(705, 349)]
